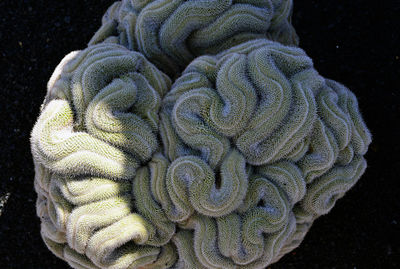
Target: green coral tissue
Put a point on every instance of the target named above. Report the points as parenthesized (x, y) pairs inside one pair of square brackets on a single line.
[(185, 136)]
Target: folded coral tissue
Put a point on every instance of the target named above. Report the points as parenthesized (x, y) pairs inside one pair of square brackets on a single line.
[(191, 134)]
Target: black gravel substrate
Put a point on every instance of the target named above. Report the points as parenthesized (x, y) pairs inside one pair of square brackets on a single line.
[(353, 42)]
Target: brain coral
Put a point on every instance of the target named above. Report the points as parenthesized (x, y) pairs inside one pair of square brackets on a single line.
[(226, 168), (171, 33)]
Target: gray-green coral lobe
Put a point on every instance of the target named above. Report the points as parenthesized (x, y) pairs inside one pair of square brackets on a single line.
[(171, 33), (303, 134), (227, 167)]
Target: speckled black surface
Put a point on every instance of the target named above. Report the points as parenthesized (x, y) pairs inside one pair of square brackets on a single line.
[(353, 42)]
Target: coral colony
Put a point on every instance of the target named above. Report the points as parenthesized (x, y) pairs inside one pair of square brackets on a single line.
[(191, 134)]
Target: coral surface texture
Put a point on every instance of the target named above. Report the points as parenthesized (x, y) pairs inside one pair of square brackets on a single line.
[(186, 136)]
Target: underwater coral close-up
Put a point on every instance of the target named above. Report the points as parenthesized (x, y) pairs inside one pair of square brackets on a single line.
[(255, 145), (198, 134)]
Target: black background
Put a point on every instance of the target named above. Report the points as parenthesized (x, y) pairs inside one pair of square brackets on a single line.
[(354, 42)]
